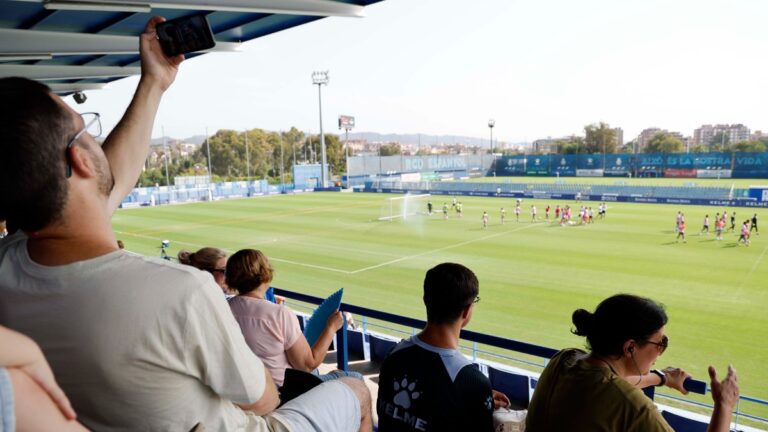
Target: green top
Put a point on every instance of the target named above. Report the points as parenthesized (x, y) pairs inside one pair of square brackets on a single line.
[(575, 395)]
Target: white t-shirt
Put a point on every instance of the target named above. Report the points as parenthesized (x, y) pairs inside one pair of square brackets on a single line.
[(136, 343)]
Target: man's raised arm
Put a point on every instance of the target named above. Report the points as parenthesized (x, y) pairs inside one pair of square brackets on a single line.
[(127, 145)]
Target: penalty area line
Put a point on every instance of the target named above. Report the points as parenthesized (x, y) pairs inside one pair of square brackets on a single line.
[(440, 249)]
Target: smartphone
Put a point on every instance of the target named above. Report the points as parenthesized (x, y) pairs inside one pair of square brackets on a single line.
[(185, 35)]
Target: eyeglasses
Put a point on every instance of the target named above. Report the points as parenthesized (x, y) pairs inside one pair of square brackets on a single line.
[(476, 300), (92, 122), (663, 345)]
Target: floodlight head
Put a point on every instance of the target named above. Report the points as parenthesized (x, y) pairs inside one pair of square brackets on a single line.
[(320, 77), (79, 97), (491, 123)]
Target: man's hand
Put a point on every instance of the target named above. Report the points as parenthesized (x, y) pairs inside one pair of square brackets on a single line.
[(155, 65), (725, 393), (675, 378), (500, 400)]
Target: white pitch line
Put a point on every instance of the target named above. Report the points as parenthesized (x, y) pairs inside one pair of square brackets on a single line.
[(754, 267), (309, 265), (270, 258), (440, 249)]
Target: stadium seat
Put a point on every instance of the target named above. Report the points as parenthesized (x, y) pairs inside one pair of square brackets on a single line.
[(355, 345), (380, 348), (515, 386), (683, 424), (650, 392)]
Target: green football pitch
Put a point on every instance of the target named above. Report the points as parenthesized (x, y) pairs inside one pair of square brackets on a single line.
[(532, 275)]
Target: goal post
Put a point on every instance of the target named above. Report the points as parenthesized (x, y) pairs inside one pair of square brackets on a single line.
[(403, 207)]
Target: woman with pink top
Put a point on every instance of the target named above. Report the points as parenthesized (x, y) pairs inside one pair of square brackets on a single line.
[(272, 330)]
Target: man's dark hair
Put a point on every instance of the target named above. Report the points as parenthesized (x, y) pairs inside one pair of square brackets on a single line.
[(36, 129), (448, 289)]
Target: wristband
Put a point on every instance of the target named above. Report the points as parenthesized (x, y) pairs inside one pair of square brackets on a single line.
[(661, 375)]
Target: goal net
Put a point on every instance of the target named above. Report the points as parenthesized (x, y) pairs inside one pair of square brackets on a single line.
[(403, 207)]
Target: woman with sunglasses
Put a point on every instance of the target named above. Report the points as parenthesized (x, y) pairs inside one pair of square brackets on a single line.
[(210, 259), (600, 390)]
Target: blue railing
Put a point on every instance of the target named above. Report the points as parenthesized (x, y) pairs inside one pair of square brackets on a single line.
[(694, 386)]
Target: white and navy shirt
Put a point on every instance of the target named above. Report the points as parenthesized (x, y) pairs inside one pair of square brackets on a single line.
[(425, 388)]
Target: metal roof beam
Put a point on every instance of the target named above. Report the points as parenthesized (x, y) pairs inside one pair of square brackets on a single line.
[(58, 72), (75, 87), (16, 43), (283, 7)]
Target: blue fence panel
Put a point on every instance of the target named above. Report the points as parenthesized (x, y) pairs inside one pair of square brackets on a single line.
[(537, 165), (618, 165), (719, 164), (750, 165), (563, 165), (511, 166), (712, 161)]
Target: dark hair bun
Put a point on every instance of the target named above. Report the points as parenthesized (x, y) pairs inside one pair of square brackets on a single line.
[(584, 322), (185, 257)]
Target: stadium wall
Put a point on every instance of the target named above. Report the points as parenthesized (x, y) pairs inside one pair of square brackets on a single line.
[(427, 166), (149, 196), (689, 165)]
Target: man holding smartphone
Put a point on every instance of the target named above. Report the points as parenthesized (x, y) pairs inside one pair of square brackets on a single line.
[(137, 343)]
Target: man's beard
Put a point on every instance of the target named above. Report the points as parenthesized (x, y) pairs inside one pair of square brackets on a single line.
[(106, 181)]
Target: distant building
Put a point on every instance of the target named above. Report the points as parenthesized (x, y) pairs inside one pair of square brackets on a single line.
[(647, 134), (736, 133), (619, 133), (642, 140), (546, 145), (756, 135)]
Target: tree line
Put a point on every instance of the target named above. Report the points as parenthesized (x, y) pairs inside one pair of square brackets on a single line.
[(269, 155), (601, 138)]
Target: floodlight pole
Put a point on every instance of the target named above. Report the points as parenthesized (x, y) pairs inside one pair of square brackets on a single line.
[(346, 122), (208, 146), (319, 78), (247, 166), (165, 157), (282, 163), (346, 153), (491, 124)]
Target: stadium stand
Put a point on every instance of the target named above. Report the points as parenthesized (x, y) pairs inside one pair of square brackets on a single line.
[(517, 383)]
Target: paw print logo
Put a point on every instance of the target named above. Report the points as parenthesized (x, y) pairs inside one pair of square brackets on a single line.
[(489, 403), (405, 393)]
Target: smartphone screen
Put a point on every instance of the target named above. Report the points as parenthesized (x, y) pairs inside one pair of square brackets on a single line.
[(185, 35)]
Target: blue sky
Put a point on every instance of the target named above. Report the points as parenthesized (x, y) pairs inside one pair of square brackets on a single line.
[(539, 68)]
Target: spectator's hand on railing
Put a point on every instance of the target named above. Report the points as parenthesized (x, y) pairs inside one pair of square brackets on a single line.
[(725, 393), (676, 378), (500, 400), (156, 67), (335, 321)]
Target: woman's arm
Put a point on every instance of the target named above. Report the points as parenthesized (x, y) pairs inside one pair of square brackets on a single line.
[(675, 377), (27, 357), (301, 356)]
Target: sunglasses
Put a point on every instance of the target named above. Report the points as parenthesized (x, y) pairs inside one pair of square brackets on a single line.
[(223, 271), (663, 345)]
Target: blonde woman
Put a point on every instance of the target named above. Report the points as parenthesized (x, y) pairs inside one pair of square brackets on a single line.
[(210, 259)]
